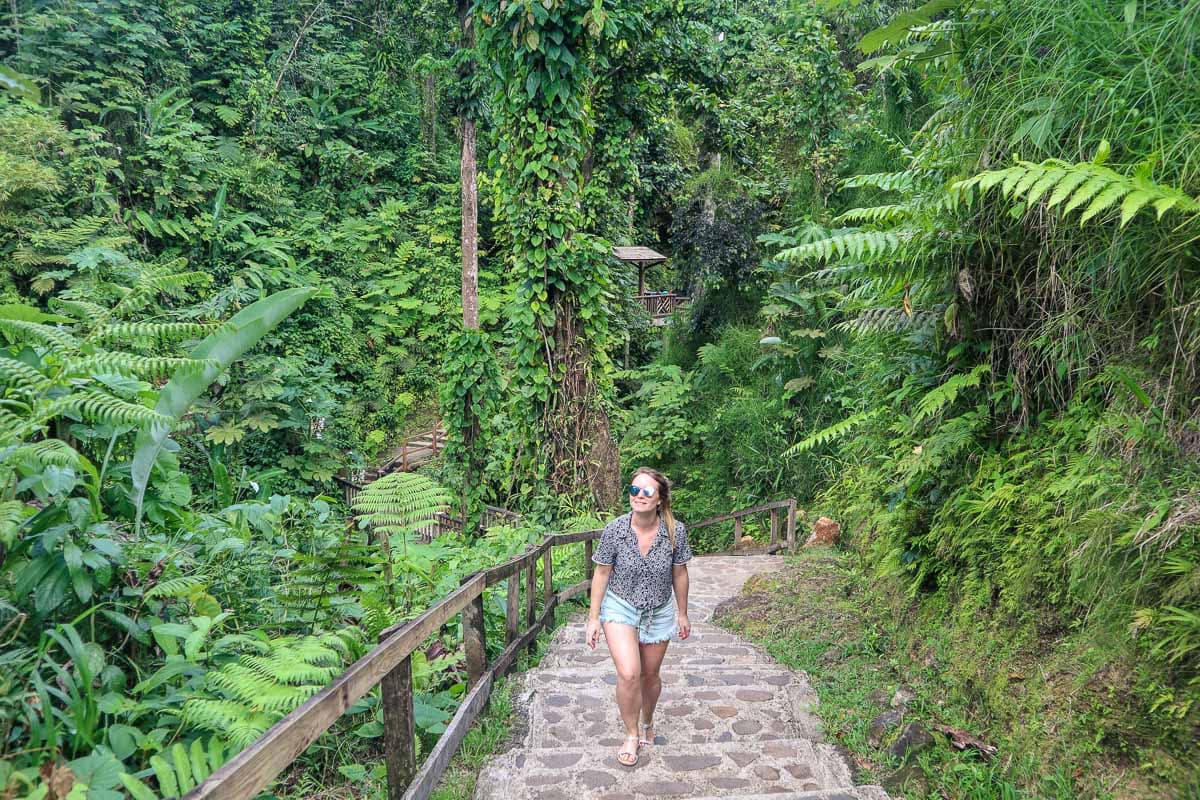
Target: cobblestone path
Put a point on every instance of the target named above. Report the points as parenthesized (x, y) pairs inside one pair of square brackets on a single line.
[(731, 722)]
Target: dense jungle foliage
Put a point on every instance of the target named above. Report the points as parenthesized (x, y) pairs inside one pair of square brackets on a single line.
[(945, 286)]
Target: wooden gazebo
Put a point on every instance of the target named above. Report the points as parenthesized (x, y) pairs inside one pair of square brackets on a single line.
[(660, 305)]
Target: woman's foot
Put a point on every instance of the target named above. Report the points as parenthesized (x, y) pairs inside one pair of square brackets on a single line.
[(627, 756), (647, 734)]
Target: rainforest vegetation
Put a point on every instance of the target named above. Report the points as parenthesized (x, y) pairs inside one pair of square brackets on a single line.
[(944, 270)]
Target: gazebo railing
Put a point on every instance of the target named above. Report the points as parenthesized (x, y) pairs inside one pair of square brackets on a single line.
[(661, 305)]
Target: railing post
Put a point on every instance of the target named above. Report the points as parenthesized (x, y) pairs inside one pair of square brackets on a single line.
[(774, 529), (512, 613), (791, 525), (548, 579), (588, 566), (737, 531), (474, 639), (398, 729), (531, 599)]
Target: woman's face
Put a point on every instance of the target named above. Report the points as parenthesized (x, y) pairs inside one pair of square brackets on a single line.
[(641, 502)]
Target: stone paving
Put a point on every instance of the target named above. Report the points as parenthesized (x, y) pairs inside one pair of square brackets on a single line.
[(731, 722)]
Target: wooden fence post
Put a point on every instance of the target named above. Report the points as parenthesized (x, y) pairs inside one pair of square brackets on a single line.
[(531, 599), (737, 531), (398, 730), (474, 640), (512, 613), (588, 566), (791, 526), (774, 529), (548, 581)]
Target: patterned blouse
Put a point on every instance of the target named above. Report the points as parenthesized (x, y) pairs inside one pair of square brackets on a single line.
[(644, 583)]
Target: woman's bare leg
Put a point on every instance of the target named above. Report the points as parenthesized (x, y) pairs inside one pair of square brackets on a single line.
[(651, 657), (623, 644)]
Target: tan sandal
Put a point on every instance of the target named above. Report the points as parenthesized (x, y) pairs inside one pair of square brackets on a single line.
[(624, 754), (646, 729)]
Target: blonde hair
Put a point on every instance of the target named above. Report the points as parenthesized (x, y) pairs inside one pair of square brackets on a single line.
[(664, 495)]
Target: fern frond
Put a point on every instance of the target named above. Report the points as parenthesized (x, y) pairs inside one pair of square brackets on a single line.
[(1089, 185), (136, 365), (18, 373), (834, 431), (53, 337), (874, 245), (877, 214), (152, 331), (101, 407), (887, 181), (54, 452), (889, 320), (177, 587), (942, 396), (12, 514), (82, 310), (260, 693), (399, 501)]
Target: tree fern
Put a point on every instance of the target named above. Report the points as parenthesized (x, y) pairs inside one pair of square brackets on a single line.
[(400, 501), (1089, 186)]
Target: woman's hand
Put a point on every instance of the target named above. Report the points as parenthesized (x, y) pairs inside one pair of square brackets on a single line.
[(685, 627), (591, 634)]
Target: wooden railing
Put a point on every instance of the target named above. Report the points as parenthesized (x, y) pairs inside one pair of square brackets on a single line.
[(661, 305), (389, 665), (781, 534), (414, 450)]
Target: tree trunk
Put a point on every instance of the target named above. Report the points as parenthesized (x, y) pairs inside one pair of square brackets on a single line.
[(581, 448), (470, 227)]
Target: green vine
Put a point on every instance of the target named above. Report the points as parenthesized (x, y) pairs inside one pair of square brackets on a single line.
[(543, 54), (470, 397)]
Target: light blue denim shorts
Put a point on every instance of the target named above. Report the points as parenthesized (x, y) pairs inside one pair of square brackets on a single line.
[(654, 625)]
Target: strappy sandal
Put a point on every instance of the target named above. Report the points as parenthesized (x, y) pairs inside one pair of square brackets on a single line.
[(646, 729), (624, 754)]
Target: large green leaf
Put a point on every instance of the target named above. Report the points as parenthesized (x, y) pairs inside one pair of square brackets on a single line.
[(19, 84), (223, 347)]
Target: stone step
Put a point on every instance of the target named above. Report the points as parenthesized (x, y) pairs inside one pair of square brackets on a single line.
[(726, 675), (705, 632), (699, 770), (575, 716), (678, 657), (866, 792)]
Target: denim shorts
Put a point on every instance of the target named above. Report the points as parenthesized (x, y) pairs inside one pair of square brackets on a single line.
[(654, 625)]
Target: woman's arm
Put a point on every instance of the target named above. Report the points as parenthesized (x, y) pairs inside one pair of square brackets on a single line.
[(599, 585), (679, 579)]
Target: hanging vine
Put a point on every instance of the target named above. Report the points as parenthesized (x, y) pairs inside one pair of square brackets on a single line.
[(543, 55)]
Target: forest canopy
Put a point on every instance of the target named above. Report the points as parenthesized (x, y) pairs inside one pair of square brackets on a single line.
[(942, 283)]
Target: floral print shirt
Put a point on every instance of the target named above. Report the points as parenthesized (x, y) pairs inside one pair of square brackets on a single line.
[(642, 581)]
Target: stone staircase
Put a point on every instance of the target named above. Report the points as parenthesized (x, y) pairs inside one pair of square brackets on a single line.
[(730, 723)]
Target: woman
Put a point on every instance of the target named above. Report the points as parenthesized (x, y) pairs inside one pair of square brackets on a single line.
[(642, 555)]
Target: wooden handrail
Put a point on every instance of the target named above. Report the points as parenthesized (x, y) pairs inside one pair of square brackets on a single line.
[(389, 665), (774, 544)]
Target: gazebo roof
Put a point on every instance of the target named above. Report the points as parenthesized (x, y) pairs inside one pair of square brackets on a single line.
[(638, 255)]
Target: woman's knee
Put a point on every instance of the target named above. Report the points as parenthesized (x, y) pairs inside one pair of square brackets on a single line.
[(629, 674), (651, 678)]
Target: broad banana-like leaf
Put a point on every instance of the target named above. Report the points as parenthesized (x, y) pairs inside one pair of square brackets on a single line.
[(19, 84), (223, 347)]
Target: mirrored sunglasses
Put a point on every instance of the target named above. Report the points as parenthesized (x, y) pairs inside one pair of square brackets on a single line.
[(634, 491)]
